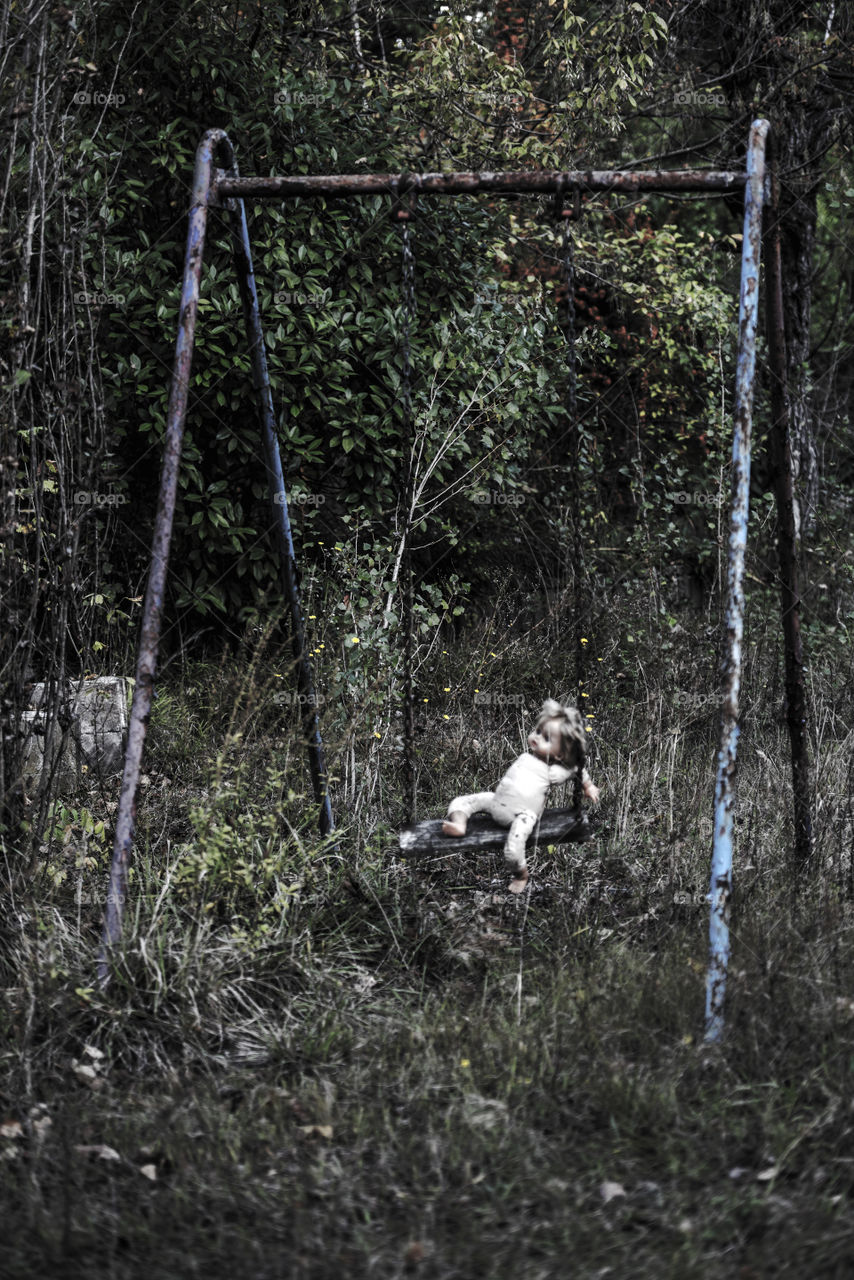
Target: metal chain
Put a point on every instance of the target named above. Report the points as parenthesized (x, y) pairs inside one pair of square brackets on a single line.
[(568, 274), (407, 489), (408, 317)]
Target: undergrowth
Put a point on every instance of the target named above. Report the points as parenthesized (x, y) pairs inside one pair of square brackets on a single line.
[(316, 1059)]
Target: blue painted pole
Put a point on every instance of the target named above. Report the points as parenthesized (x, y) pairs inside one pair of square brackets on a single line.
[(278, 500), (720, 889)]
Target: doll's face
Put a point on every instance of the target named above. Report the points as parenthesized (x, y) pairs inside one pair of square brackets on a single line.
[(547, 744)]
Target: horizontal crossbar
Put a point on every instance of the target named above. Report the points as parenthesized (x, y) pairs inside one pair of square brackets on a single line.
[(524, 182), (556, 826)]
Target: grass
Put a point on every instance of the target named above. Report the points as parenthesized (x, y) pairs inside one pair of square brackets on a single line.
[(319, 1061)]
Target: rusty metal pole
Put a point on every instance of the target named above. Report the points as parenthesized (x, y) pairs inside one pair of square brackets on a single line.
[(278, 500), (518, 182), (720, 890), (787, 536), (153, 607)]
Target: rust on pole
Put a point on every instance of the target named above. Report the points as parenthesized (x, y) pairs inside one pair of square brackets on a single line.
[(787, 532), (526, 182), (242, 251), (720, 890), (153, 607)]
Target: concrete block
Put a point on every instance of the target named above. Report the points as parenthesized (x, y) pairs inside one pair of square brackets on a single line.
[(95, 738)]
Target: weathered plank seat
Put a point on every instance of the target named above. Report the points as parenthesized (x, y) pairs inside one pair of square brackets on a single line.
[(556, 826)]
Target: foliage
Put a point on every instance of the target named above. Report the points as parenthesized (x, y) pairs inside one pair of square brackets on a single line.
[(392, 1067), (74, 832), (328, 275), (238, 867)]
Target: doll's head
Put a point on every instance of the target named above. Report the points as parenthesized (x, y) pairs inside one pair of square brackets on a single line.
[(558, 736)]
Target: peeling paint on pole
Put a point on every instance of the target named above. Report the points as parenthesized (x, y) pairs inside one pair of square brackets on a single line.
[(153, 607), (720, 889)]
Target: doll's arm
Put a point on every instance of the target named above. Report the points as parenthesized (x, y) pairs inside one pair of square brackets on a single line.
[(558, 774), (589, 787)]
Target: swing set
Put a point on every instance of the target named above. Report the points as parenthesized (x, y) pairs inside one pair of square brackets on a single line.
[(218, 186)]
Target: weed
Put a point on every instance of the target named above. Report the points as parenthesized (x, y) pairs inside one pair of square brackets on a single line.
[(313, 1058)]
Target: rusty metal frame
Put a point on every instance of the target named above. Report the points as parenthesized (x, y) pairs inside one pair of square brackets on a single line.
[(221, 187)]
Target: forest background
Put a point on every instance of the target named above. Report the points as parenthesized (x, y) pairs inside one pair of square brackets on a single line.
[(311, 1055)]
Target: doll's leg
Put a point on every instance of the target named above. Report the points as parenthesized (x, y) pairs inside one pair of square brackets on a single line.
[(461, 809), (514, 848)]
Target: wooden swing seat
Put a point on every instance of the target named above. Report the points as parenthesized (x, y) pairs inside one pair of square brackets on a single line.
[(556, 826)]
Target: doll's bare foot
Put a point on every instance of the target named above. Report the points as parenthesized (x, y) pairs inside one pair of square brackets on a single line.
[(455, 824), (519, 883)]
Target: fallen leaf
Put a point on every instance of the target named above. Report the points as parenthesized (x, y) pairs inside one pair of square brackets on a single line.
[(11, 1129), (413, 1254), (99, 1149), (484, 1113), (316, 1131), (611, 1191), (767, 1175), (149, 1171), (92, 1051), (84, 1072)]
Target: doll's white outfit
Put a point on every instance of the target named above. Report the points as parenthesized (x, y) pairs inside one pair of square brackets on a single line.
[(517, 801)]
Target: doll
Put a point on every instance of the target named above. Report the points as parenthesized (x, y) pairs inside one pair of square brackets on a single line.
[(557, 750)]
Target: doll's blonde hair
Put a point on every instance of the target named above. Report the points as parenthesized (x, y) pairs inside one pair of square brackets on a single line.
[(573, 740)]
